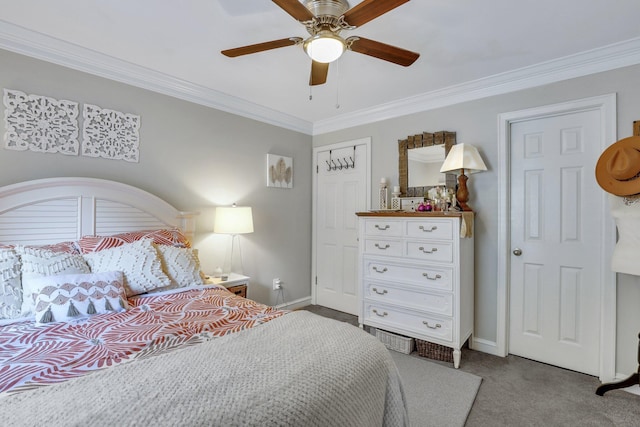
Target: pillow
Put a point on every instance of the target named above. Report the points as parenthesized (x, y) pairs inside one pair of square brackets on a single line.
[(11, 292), (139, 263), (61, 247), (181, 265), (38, 262), (76, 296), (171, 237)]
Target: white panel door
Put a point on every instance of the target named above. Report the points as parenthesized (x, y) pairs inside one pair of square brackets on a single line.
[(555, 241), (340, 194)]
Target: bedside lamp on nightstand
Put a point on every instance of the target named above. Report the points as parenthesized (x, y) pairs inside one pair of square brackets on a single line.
[(233, 220)]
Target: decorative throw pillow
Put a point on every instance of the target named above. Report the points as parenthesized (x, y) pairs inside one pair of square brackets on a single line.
[(38, 262), (181, 265), (11, 292), (61, 247), (171, 237), (77, 296), (139, 263)]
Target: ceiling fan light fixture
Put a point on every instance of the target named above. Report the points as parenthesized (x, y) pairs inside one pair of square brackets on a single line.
[(324, 47)]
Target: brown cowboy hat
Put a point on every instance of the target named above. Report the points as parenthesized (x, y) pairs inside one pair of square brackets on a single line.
[(618, 168)]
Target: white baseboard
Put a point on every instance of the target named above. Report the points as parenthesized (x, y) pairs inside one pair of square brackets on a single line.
[(293, 305), (484, 346)]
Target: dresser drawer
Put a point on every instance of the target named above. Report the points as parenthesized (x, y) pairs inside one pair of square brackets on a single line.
[(430, 229), (383, 227), (411, 297), (430, 251), (440, 278), (399, 318), (383, 247)]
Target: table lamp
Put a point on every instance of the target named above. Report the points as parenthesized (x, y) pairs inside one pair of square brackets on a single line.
[(463, 158), (233, 220)]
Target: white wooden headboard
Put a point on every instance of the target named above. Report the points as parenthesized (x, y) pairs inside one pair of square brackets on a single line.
[(53, 210)]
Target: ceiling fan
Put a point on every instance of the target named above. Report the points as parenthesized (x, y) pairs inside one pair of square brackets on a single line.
[(324, 20)]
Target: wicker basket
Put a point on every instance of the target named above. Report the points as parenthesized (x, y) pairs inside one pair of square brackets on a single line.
[(395, 342), (434, 351)]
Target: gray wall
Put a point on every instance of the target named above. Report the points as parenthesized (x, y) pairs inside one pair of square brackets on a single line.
[(476, 123), (194, 157)]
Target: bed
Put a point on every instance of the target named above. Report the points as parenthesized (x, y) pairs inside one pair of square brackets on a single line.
[(106, 320)]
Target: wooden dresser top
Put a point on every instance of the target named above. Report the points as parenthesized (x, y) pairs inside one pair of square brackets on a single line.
[(394, 213)]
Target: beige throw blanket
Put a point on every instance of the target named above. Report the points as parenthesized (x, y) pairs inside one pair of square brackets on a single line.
[(297, 370)]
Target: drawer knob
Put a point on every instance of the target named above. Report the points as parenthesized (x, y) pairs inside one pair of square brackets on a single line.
[(384, 313), (379, 246), (384, 291), (379, 271), (433, 228), (380, 227), (437, 276), (421, 248), (428, 325)]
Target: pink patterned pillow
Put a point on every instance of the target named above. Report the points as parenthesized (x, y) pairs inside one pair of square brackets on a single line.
[(77, 296), (171, 237), (59, 248)]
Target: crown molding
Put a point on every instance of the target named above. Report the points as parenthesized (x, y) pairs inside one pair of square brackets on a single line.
[(36, 45), (606, 58)]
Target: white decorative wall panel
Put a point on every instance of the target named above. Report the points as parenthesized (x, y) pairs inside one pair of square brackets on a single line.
[(533, 197), (533, 145), (110, 134), (572, 141), (570, 288), (39, 123), (571, 204), (532, 299)]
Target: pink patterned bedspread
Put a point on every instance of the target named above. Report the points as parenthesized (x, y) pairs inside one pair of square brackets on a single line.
[(32, 356)]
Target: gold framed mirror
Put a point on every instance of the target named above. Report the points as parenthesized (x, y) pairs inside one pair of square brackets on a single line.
[(433, 148)]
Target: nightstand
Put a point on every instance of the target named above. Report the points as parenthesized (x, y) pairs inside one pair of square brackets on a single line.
[(236, 283)]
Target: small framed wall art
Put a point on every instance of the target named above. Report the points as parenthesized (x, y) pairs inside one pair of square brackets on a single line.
[(279, 171)]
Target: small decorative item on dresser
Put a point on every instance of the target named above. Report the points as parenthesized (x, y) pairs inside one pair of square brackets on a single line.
[(396, 203), (383, 194), (434, 351), (410, 204)]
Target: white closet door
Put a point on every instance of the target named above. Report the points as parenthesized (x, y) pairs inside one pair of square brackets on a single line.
[(556, 241), (340, 193)]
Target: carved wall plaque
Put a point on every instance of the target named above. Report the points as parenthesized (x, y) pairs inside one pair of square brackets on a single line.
[(110, 134), (39, 123)]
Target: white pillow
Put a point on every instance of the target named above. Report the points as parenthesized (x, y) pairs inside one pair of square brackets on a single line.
[(11, 292), (181, 265), (38, 262), (76, 296), (139, 263)]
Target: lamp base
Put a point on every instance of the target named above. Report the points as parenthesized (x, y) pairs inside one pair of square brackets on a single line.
[(462, 195)]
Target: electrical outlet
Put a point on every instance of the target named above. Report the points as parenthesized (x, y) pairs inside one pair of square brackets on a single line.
[(277, 284)]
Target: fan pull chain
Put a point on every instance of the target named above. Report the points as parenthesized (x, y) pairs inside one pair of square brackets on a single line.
[(310, 94), (337, 84)]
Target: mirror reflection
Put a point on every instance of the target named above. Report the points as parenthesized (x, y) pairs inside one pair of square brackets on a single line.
[(424, 166), (425, 153)]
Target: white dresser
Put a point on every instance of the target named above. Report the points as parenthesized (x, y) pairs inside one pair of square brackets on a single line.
[(416, 276)]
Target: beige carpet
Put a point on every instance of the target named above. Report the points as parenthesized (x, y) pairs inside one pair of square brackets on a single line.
[(436, 395)]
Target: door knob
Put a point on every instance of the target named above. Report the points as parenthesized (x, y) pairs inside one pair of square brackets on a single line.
[(517, 251)]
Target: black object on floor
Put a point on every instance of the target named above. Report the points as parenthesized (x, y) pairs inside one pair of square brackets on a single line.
[(634, 379)]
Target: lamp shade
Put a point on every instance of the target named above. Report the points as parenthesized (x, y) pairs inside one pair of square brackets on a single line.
[(233, 220), (463, 156)]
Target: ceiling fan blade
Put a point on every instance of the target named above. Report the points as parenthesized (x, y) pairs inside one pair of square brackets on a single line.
[(295, 9), (369, 10), (319, 71), (382, 51), (260, 47)]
